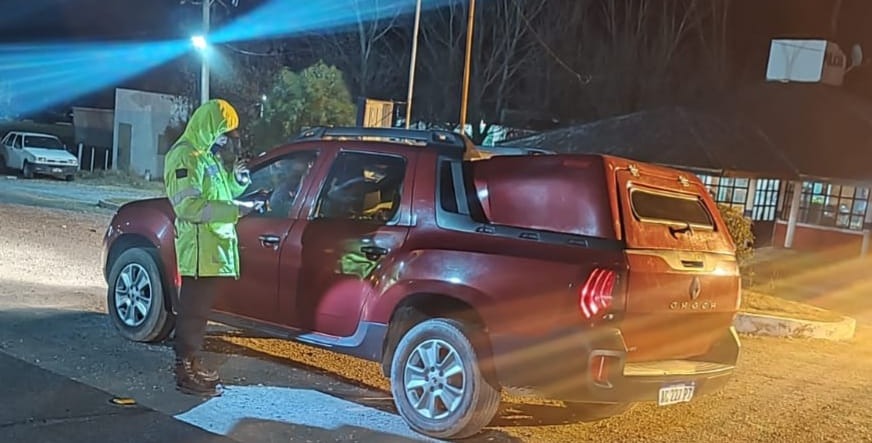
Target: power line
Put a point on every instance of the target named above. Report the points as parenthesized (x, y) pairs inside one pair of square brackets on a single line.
[(254, 53)]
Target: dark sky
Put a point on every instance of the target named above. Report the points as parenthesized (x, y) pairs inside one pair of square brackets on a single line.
[(35, 20), (754, 22)]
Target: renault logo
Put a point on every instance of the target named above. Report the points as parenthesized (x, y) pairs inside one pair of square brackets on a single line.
[(695, 288)]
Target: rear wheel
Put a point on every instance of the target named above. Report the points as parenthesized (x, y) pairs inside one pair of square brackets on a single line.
[(437, 383), (135, 300)]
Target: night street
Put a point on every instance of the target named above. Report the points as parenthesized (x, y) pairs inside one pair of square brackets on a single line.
[(282, 391), (544, 221)]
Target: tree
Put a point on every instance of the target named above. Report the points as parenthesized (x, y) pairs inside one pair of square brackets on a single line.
[(502, 46), (317, 95), (366, 50), (630, 55)]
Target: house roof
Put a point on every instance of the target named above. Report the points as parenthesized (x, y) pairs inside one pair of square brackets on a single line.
[(770, 130)]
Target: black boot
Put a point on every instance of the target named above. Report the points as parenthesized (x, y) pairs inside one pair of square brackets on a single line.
[(208, 375), (189, 382)]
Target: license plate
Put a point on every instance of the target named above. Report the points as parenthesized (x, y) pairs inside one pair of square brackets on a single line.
[(673, 394), (58, 170)]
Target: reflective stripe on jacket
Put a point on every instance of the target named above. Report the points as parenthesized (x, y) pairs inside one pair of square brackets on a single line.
[(201, 191)]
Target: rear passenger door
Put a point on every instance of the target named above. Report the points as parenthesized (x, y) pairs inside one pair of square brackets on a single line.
[(359, 220)]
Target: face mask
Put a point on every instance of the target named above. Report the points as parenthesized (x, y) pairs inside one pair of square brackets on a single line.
[(219, 144)]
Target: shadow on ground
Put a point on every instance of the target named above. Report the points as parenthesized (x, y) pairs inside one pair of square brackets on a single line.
[(83, 345)]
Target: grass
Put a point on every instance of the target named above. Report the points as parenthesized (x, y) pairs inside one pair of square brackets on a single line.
[(118, 178), (835, 281), (758, 303)]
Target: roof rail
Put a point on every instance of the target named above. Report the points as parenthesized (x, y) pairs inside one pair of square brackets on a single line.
[(516, 150), (435, 138)]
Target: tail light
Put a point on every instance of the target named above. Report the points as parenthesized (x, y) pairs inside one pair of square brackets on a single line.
[(597, 295)]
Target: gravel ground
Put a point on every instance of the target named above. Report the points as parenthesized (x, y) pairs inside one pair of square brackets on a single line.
[(783, 391)]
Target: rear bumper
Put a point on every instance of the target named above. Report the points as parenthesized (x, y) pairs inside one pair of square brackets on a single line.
[(559, 367)]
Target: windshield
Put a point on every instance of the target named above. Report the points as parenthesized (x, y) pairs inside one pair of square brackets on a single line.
[(36, 141)]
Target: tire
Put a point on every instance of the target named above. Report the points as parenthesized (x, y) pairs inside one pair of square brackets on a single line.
[(70, 178), (156, 322), (477, 402), (27, 170), (588, 412)]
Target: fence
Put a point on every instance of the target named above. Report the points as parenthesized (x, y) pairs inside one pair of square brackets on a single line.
[(93, 157)]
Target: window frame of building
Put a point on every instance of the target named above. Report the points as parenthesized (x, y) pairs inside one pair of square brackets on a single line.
[(821, 204)]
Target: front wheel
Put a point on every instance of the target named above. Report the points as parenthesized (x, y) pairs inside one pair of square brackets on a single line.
[(437, 383), (27, 170), (135, 299)]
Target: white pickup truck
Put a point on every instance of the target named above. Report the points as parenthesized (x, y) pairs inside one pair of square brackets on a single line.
[(35, 153)]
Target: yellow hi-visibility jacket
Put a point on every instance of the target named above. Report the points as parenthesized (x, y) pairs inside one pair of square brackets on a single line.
[(201, 191)]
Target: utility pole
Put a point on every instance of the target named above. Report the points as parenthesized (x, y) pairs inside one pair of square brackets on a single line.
[(412, 65), (464, 104), (204, 71)]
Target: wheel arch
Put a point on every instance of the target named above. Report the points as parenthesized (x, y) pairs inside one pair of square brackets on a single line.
[(129, 241), (420, 306)]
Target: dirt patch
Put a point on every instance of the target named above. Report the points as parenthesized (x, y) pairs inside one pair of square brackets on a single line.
[(118, 178), (758, 303)]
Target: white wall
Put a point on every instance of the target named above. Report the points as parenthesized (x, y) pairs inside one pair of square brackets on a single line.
[(150, 115)]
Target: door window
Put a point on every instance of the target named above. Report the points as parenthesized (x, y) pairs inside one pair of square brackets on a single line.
[(363, 186), (17, 142), (280, 182)]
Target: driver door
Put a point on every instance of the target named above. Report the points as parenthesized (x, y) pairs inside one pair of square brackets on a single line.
[(261, 236)]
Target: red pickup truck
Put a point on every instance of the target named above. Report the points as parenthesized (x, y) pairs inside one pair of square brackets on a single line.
[(590, 279)]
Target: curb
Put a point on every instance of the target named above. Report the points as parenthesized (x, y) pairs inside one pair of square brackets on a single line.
[(774, 326), (108, 205)]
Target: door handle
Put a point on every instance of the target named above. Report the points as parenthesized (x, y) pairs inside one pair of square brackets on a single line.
[(270, 240), (373, 252)]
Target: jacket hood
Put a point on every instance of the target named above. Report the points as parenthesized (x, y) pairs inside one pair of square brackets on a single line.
[(210, 120)]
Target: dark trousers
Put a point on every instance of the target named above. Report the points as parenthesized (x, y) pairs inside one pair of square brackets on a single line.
[(196, 298)]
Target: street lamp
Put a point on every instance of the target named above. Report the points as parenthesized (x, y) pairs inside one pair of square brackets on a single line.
[(199, 42)]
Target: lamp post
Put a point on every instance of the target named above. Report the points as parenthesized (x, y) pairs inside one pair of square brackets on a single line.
[(204, 71), (464, 103), (412, 65)]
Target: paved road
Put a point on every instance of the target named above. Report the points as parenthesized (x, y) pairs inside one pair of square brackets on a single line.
[(52, 317), (41, 406), (64, 195)]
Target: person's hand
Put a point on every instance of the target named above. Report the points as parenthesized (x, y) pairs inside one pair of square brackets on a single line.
[(240, 171), (246, 208)]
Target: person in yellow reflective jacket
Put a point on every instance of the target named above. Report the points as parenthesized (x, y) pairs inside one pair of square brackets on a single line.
[(203, 195)]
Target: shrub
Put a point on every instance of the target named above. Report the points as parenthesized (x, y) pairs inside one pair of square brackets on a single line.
[(740, 230)]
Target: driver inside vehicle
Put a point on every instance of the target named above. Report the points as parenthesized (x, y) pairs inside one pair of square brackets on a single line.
[(287, 177)]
